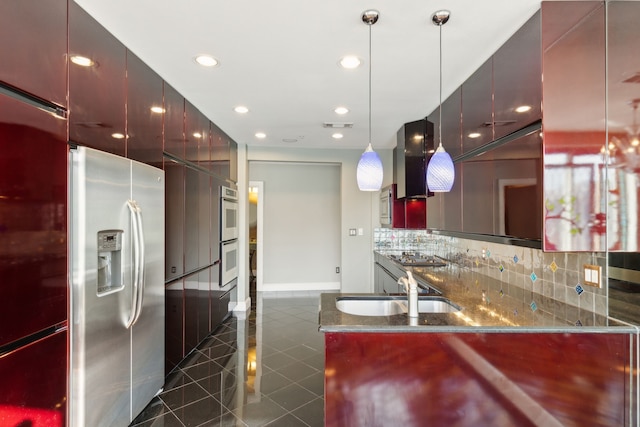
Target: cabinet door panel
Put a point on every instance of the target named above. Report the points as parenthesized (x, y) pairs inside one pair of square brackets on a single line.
[(174, 324), (623, 62), (33, 219), (144, 126), (477, 108), (173, 122), (574, 135), (34, 380), (517, 77), (34, 47), (174, 219), (97, 113)]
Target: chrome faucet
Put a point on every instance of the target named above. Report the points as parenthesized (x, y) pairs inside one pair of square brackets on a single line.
[(411, 288)]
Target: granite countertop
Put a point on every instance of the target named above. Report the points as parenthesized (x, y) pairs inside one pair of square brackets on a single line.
[(485, 306)]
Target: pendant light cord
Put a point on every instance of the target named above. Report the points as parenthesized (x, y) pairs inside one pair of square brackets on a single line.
[(370, 25), (440, 118)]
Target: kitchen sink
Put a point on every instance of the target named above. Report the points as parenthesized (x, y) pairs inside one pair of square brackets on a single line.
[(390, 305)]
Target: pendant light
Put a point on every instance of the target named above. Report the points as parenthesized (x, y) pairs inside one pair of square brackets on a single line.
[(369, 172), (440, 170)]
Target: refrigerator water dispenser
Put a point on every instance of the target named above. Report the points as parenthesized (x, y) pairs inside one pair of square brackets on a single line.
[(109, 261)]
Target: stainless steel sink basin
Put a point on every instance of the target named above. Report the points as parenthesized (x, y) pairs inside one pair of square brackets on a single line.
[(391, 305)]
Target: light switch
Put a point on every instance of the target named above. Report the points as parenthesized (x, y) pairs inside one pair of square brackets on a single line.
[(352, 232), (360, 232), (592, 275)]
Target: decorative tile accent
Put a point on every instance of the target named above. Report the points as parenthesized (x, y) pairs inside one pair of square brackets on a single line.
[(553, 266), (501, 293), (501, 268), (488, 253), (477, 262), (533, 306), (515, 259), (578, 322), (533, 277), (579, 289), (515, 311)]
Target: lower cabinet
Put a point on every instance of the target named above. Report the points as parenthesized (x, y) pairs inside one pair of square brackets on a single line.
[(385, 282), (478, 379), (33, 387), (194, 307)]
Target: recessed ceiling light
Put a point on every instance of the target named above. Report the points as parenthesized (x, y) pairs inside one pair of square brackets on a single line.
[(207, 60), (241, 109), (350, 62), (341, 110), (83, 61), (337, 135), (474, 135), (117, 135), (523, 108), (261, 135), (289, 140), (157, 110)]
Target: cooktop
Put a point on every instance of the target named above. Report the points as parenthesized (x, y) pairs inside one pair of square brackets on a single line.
[(417, 259)]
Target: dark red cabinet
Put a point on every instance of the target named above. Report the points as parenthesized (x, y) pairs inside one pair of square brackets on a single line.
[(33, 219), (144, 112), (33, 390), (34, 48), (97, 92), (173, 122)]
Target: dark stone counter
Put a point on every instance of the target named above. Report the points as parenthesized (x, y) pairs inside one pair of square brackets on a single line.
[(487, 305)]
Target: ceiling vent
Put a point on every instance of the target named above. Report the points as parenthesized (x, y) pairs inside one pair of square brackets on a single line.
[(498, 123), (337, 125)]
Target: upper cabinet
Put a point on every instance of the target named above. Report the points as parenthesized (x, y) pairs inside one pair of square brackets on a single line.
[(517, 80), (97, 84), (34, 48), (173, 122), (574, 125), (477, 108), (144, 112), (196, 135)]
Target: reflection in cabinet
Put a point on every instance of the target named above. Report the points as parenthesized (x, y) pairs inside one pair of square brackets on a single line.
[(191, 303), (451, 124), (144, 126), (204, 304), (34, 48), (204, 220), (97, 113)]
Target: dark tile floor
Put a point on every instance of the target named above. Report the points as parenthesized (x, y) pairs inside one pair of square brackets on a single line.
[(265, 370)]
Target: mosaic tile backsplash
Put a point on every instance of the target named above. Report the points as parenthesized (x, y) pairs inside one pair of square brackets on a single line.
[(556, 276)]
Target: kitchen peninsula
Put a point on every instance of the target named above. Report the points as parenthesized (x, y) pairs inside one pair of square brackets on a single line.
[(498, 361)]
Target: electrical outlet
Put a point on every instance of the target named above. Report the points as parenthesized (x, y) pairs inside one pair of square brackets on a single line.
[(352, 232), (337, 270), (592, 275)]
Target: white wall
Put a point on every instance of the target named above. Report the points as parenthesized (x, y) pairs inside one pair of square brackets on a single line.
[(358, 209), (301, 225)]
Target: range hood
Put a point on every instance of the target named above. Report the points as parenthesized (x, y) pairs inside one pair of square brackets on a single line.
[(410, 157)]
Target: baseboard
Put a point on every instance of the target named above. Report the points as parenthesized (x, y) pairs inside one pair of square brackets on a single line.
[(242, 306)]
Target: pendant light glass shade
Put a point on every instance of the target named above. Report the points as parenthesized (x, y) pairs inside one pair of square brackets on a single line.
[(369, 172), (440, 171)]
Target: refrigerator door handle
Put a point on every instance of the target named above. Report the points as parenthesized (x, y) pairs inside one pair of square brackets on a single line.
[(141, 265), (135, 235)]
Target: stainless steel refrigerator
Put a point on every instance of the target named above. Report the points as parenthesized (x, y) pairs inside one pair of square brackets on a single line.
[(117, 287)]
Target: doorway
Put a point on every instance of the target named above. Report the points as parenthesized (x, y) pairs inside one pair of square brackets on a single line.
[(255, 235)]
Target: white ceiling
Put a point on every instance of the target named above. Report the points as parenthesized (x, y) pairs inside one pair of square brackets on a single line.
[(280, 59)]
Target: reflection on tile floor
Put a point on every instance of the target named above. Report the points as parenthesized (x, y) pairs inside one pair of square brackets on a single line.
[(265, 370)]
